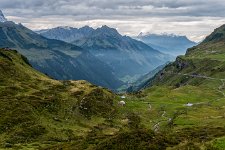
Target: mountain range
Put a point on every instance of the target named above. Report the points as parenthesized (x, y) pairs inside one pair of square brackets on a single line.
[(67, 34), (167, 43), (58, 59), (117, 51), (101, 56)]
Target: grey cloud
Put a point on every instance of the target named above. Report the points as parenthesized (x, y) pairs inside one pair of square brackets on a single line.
[(148, 13), (114, 8)]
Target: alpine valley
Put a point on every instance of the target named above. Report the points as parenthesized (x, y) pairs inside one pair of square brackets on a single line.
[(129, 58), (177, 105)]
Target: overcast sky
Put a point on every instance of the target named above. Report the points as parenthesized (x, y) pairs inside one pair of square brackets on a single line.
[(194, 18)]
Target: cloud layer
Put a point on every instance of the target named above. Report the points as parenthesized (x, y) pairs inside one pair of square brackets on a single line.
[(193, 18)]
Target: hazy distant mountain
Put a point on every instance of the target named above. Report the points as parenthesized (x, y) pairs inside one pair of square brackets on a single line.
[(56, 58), (2, 17), (124, 54), (167, 43), (67, 34)]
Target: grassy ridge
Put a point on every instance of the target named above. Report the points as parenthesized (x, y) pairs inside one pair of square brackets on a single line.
[(37, 108)]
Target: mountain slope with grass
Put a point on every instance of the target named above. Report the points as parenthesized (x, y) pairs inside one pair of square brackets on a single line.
[(35, 108), (58, 59), (189, 94), (37, 112), (201, 63), (183, 104)]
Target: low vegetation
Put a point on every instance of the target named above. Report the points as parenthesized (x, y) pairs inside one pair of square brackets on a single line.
[(182, 107)]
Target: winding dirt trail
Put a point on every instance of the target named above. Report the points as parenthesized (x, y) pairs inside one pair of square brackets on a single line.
[(156, 127), (220, 88)]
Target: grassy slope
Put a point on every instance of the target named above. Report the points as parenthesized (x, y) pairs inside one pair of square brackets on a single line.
[(36, 109), (197, 78), (40, 113)]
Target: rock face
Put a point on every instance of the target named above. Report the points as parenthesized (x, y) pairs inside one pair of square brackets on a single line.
[(2, 17)]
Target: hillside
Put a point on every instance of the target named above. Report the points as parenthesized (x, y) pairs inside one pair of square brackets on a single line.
[(117, 51), (190, 92), (37, 112), (183, 108), (34, 107), (167, 43), (204, 61), (58, 59)]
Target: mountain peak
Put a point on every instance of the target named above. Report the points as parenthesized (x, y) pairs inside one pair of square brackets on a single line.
[(2, 17), (217, 35), (107, 31), (106, 27), (86, 29), (140, 34), (64, 27)]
